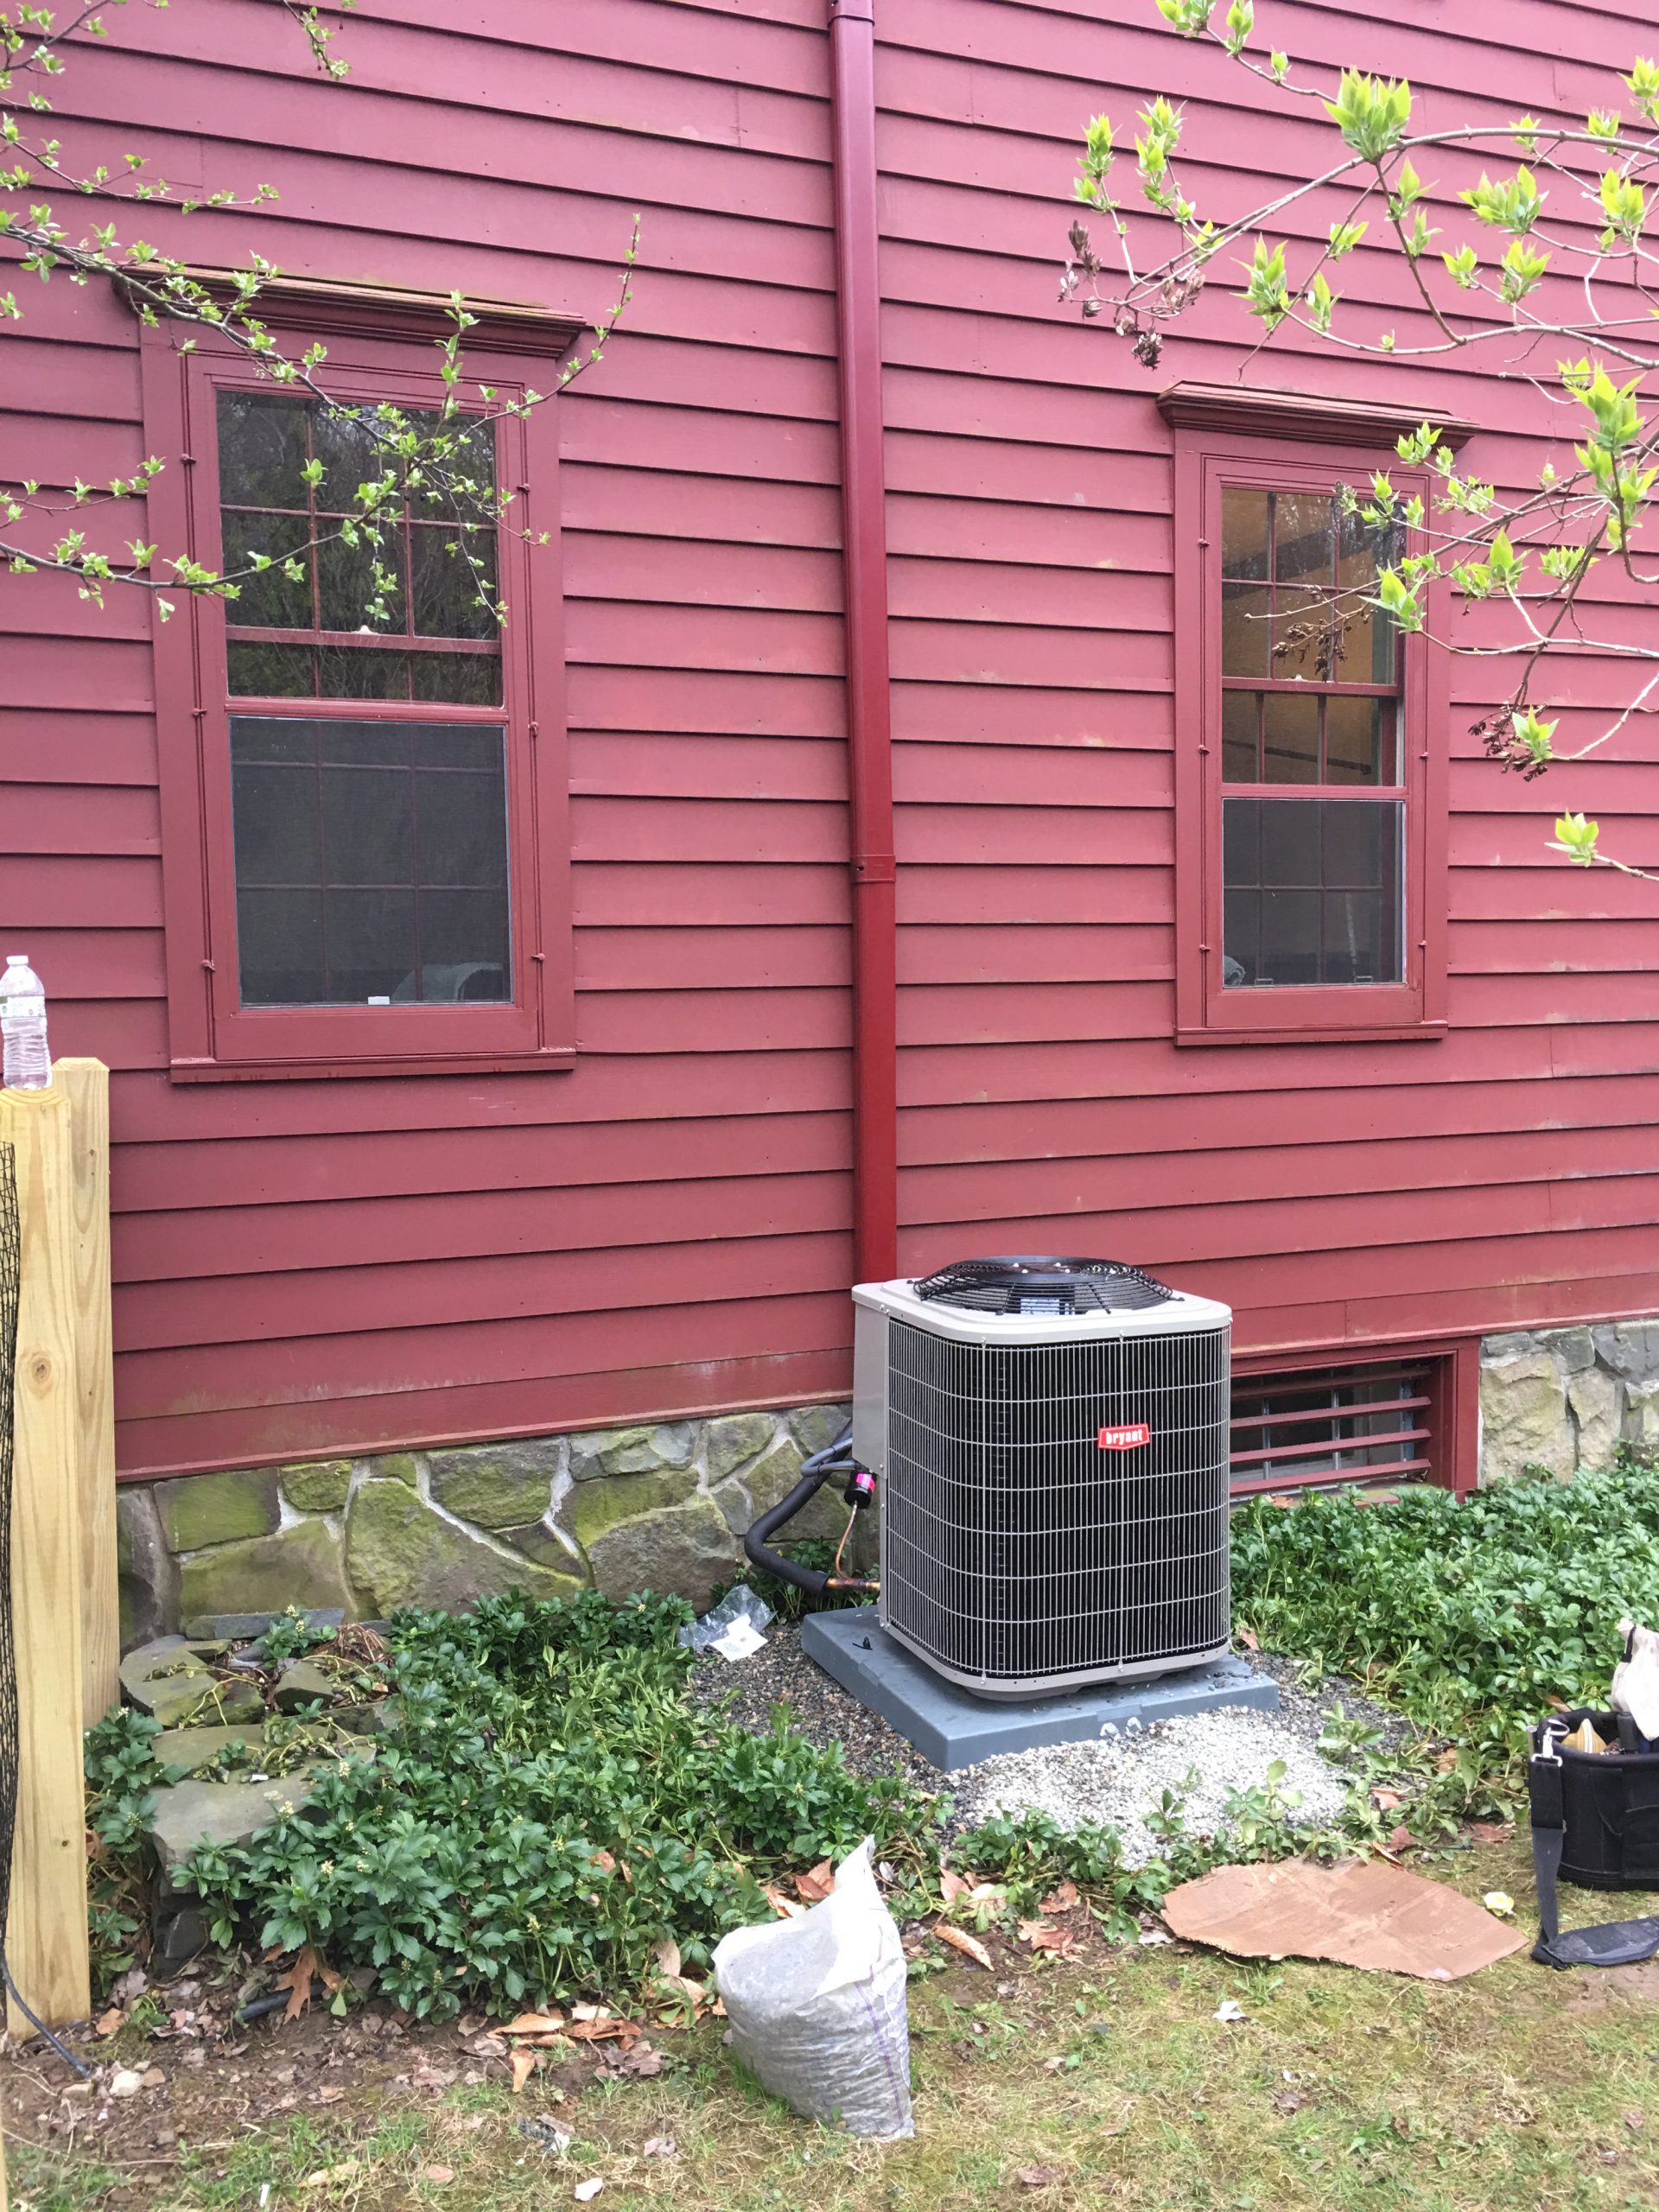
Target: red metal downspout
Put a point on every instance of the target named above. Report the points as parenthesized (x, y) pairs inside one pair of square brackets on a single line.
[(869, 730)]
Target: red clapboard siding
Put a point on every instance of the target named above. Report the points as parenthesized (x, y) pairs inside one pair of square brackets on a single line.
[(664, 1228)]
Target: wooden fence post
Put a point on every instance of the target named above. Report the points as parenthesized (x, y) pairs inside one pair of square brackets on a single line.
[(46, 1931), (87, 1085)]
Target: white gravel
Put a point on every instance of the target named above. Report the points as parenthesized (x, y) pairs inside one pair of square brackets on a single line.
[(1116, 1779)]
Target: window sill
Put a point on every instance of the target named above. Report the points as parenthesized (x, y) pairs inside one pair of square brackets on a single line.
[(553, 1060), (1360, 1034)]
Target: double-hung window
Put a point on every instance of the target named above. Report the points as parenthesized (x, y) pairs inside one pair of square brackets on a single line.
[(1311, 738), (365, 846)]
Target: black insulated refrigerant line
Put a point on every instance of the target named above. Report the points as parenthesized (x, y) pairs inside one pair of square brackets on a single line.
[(835, 1459)]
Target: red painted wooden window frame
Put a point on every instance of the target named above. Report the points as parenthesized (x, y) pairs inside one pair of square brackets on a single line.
[(1206, 460), (212, 1037)]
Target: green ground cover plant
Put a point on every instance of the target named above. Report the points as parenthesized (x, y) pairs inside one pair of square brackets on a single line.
[(1468, 1615), (553, 1804)]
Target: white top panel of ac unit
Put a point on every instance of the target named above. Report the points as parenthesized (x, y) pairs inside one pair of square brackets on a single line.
[(1172, 1316)]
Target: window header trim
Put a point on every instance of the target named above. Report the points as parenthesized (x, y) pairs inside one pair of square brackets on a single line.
[(1308, 417), (331, 307)]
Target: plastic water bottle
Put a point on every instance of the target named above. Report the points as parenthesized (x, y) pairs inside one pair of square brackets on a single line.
[(22, 1024)]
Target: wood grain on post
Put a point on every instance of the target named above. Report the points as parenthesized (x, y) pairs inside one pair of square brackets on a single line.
[(87, 1084), (46, 1931)]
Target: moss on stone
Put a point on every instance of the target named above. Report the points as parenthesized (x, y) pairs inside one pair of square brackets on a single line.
[(682, 1551), (296, 1566), (497, 1486), (736, 1438), (633, 1451), (318, 1485), (198, 1510), (395, 1466), (399, 1552), (592, 1507)]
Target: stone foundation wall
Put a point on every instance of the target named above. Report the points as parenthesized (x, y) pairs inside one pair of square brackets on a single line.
[(661, 1508), (1563, 1399)]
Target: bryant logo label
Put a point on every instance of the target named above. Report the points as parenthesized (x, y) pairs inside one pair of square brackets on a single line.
[(1127, 1437)]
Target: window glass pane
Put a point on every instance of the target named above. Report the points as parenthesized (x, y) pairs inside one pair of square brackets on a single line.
[(1304, 542), (272, 672), (463, 946), (1241, 714), (277, 830), (268, 601), (458, 679), (345, 592), (365, 671), (444, 587), (371, 862), (281, 935), (1243, 532), (1244, 609), (351, 443), (1369, 645), (1304, 636), (261, 450), (285, 737), (1290, 937), (1359, 740), (1290, 737), (368, 825), (369, 941), (1312, 891)]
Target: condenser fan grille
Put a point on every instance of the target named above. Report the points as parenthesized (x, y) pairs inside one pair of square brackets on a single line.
[(1041, 1285), (1020, 1547)]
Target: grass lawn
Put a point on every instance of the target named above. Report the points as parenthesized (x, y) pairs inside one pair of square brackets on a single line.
[(1106, 2080)]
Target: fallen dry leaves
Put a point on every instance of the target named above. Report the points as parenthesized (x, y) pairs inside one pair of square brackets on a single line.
[(1060, 1941), (785, 1908), (524, 2064), (817, 1886), (1063, 1899), (308, 1968), (969, 1946)]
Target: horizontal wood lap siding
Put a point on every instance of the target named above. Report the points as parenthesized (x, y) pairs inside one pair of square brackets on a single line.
[(1330, 1191), (309, 1267)]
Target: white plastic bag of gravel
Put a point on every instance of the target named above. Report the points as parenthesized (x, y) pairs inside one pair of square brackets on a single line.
[(816, 2005), (1116, 1780)]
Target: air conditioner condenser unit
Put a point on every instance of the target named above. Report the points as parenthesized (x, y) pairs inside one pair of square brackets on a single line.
[(1049, 1438)]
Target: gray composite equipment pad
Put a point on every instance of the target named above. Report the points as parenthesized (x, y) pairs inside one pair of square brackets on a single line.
[(954, 1729)]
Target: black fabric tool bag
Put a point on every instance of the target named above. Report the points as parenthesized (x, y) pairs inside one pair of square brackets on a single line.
[(1609, 1805)]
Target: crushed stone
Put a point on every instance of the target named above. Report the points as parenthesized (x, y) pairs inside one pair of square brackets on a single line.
[(1114, 1781), (1118, 1779)]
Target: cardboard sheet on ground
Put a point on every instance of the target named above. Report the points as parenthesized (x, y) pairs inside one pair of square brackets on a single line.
[(1360, 1913)]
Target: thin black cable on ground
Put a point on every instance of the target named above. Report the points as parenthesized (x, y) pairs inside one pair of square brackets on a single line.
[(10, 1280)]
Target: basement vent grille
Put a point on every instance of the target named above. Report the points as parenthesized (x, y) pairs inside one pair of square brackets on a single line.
[(1017, 1549), (1332, 1425)]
